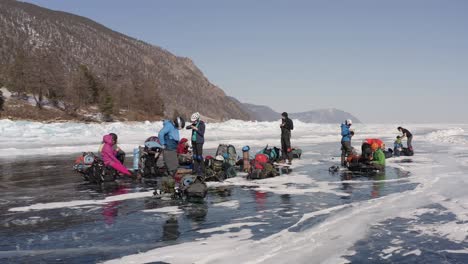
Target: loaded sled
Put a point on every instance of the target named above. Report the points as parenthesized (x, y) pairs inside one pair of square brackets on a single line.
[(264, 167), (222, 166), (147, 159), (93, 170), (403, 152), (189, 187)]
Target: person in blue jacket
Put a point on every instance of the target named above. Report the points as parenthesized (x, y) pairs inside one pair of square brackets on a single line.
[(346, 134), (198, 139), (169, 139)]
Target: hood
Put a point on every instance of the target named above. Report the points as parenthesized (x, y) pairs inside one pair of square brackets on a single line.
[(183, 140), (107, 139), (168, 122)]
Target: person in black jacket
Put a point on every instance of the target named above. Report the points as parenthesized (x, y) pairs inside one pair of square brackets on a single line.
[(408, 135), (286, 127), (198, 139), (2, 101)]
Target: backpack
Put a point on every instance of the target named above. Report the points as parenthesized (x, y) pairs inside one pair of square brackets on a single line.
[(84, 162), (296, 153), (388, 153), (260, 161), (194, 187), (407, 152), (273, 154), (152, 144), (229, 171), (217, 165), (267, 171), (228, 152)]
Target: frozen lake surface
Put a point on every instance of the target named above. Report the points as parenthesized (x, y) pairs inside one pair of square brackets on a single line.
[(415, 212)]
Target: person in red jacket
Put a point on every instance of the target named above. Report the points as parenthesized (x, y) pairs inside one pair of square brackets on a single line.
[(183, 153), (183, 146)]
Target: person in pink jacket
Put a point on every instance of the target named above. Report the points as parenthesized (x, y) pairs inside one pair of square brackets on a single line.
[(109, 155)]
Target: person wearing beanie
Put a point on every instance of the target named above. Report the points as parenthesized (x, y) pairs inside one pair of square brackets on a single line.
[(286, 127)]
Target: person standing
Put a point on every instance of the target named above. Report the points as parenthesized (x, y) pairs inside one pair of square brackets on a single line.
[(198, 139), (2, 101), (408, 135), (346, 148), (169, 139), (286, 127)]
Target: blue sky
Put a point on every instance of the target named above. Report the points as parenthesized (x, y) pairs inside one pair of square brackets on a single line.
[(383, 61)]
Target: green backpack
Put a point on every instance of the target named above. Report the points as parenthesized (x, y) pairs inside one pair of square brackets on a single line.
[(272, 153), (228, 152)]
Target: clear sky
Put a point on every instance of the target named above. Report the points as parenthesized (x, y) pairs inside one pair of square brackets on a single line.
[(383, 61)]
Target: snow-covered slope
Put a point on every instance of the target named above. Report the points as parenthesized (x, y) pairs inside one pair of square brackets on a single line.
[(24, 138)]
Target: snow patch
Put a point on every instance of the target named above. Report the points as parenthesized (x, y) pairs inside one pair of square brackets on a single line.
[(171, 210), (229, 204), (78, 203), (230, 226), (416, 252)]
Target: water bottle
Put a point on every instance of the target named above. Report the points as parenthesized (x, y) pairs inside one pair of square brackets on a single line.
[(136, 157)]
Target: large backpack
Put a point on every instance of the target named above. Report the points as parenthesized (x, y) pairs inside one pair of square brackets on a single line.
[(407, 152), (228, 152), (296, 153), (273, 153), (84, 162), (194, 187), (260, 161)]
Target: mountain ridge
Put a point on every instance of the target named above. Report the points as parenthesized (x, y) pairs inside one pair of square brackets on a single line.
[(72, 59), (324, 115)]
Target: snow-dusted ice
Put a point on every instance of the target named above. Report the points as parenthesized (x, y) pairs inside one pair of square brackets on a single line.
[(418, 212)]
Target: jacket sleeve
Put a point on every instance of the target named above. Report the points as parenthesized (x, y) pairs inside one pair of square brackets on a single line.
[(201, 130), (161, 135)]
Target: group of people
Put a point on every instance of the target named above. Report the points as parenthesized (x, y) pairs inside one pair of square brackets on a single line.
[(372, 150), (175, 148), (113, 156)]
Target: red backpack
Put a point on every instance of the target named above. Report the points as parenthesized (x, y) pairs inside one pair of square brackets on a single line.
[(260, 161)]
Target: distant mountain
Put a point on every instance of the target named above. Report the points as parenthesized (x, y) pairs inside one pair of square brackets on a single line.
[(262, 112), (79, 64), (266, 113), (324, 116), (257, 112)]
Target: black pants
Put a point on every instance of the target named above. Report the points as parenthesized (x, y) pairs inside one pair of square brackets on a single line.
[(171, 161), (346, 150), (121, 156), (198, 162), (409, 140), (286, 145)]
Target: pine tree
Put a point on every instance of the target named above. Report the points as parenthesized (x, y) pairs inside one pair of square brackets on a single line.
[(107, 107)]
